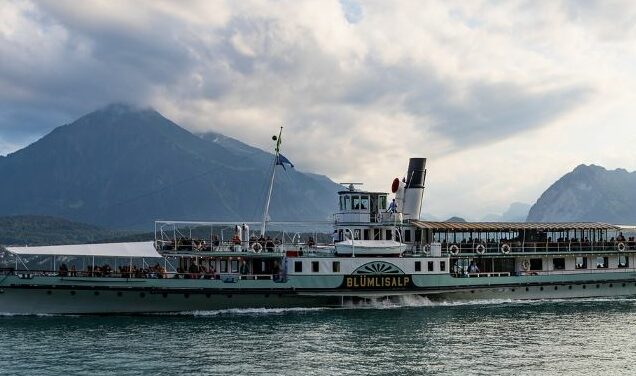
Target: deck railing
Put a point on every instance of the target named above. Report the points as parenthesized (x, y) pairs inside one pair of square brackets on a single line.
[(516, 247), (143, 274)]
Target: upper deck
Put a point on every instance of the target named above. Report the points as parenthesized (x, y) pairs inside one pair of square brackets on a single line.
[(505, 238)]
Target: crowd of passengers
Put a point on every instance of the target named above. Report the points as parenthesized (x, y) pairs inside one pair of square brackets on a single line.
[(264, 243), (157, 271), (106, 270)]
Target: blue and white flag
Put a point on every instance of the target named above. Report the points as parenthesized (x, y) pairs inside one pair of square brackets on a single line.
[(282, 161)]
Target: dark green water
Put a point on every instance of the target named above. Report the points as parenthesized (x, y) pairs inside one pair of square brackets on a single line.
[(582, 337)]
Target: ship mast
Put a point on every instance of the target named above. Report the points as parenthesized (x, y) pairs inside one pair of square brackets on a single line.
[(271, 181)]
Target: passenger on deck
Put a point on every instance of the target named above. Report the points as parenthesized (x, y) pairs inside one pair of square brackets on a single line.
[(311, 243), (215, 241), (73, 271), (194, 269), (63, 270), (269, 244), (244, 268), (236, 240), (276, 271), (473, 268), (392, 207)]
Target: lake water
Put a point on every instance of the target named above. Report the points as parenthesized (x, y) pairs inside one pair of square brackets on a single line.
[(577, 337)]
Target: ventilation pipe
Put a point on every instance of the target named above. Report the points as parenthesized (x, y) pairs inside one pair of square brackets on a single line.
[(414, 188)]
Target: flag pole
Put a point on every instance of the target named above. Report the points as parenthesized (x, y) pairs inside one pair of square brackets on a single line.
[(271, 181)]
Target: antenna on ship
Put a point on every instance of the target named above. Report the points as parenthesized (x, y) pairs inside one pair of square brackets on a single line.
[(277, 161)]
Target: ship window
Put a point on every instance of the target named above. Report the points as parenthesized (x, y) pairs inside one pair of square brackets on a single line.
[(601, 262), (235, 266), (315, 266), (407, 235), (376, 234), (298, 266), (335, 267), (558, 263), (623, 261), (364, 203), (365, 234), (356, 202), (580, 263), (442, 266), (347, 202), (536, 264), (356, 234), (431, 266), (341, 203), (382, 203), (418, 266), (388, 235), (223, 266)]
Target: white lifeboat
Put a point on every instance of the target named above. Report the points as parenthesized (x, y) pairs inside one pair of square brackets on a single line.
[(370, 247)]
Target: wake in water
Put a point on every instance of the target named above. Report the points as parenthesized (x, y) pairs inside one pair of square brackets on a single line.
[(396, 302)]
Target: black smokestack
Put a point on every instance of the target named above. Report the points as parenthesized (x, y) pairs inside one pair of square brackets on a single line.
[(416, 174)]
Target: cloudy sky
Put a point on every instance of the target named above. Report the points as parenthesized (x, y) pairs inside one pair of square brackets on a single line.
[(502, 97)]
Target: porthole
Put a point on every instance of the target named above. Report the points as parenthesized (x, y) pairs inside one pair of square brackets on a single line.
[(598, 286), (229, 296), (611, 285), (584, 286), (267, 295), (556, 287), (165, 294), (624, 285), (472, 291), (120, 294), (49, 292), (569, 287), (142, 294), (72, 292), (96, 293), (186, 295), (207, 295), (541, 288), (513, 290), (527, 289)]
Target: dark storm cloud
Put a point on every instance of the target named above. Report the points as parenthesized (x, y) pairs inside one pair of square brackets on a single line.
[(93, 61)]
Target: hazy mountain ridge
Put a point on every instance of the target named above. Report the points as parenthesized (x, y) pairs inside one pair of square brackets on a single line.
[(589, 193), (43, 230), (124, 167)]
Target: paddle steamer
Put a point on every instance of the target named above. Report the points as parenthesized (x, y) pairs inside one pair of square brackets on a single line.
[(378, 248)]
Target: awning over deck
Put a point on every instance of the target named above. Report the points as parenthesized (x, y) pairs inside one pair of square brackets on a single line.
[(136, 249), (511, 226)]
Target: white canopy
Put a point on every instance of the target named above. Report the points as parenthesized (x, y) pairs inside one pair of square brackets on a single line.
[(137, 249)]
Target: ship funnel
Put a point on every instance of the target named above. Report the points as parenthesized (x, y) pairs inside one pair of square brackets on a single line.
[(414, 190)]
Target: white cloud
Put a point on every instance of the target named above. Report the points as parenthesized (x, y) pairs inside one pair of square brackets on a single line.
[(502, 98)]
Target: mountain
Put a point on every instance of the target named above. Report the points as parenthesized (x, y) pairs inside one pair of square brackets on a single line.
[(456, 220), (42, 230), (124, 167), (589, 193)]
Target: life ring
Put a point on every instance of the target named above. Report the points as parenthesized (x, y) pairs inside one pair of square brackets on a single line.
[(505, 249), (257, 247), (426, 249), (454, 250), (480, 249), (525, 265), (620, 246)]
